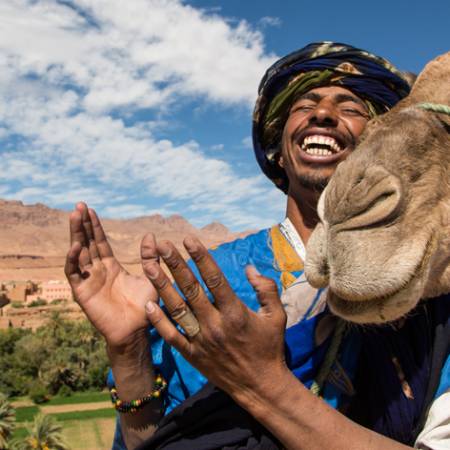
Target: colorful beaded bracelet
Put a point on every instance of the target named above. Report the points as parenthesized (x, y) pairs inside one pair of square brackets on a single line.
[(134, 405)]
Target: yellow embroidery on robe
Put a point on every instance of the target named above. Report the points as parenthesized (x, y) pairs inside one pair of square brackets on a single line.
[(285, 256)]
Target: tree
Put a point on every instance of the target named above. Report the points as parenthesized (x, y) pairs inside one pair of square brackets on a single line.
[(45, 434), (7, 419)]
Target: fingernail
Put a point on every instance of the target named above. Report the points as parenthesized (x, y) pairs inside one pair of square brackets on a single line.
[(190, 244), (165, 250), (152, 271), (150, 307)]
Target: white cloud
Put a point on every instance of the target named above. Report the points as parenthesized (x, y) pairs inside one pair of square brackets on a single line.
[(270, 21), (70, 76), (133, 49)]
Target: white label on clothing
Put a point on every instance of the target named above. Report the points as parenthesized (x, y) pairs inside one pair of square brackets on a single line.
[(290, 233)]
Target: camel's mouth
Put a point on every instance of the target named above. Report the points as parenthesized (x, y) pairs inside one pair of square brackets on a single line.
[(389, 306)]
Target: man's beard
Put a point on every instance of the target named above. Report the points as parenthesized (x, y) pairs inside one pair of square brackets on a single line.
[(314, 182)]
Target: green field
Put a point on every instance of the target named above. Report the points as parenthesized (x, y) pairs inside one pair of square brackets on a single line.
[(26, 413), (93, 434), (83, 430), (84, 397)]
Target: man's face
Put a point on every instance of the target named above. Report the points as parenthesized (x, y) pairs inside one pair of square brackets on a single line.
[(320, 132)]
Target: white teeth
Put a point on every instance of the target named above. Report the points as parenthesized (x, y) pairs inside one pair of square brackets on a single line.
[(321, 140), (318, 151)]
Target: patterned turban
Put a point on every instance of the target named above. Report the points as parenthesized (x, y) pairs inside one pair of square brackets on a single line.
[(373, 79)]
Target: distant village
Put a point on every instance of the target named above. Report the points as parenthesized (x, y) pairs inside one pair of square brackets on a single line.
[(25, 304)]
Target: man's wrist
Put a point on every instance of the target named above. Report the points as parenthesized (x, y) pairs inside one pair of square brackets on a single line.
[(133, 354), (263, 396)]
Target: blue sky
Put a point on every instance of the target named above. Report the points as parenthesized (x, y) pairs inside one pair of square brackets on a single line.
[(144, 106)]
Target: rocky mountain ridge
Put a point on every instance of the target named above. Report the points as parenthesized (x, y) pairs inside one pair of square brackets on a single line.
[(35, 232)]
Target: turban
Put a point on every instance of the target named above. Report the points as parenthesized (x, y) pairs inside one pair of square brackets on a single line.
[(372, 78)]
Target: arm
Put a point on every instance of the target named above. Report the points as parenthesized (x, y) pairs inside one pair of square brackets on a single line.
[(113, 300), (300, 420), (242, 352), (134, 378)]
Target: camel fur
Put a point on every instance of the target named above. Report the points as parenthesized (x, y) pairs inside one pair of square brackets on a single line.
[(383, 242)]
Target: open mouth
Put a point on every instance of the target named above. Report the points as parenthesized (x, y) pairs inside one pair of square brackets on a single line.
[(321, 145), (320, 148)]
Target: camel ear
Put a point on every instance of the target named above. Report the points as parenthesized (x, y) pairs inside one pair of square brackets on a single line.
[(433, 85)]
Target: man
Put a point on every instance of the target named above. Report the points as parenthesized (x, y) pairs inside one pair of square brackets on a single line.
[(312, 107)]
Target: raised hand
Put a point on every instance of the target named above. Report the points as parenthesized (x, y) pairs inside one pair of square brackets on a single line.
[(234, 347), (112, 299)]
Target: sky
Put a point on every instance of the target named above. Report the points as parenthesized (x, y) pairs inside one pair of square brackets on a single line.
[(141, 107)]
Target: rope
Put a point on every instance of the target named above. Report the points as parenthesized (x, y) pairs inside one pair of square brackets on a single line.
[(435, 107), (330, 357)]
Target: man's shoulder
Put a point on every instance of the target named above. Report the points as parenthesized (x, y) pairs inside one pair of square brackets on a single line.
[(254, 249), (255, 239)]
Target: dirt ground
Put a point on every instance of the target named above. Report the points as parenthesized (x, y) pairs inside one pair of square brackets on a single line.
[(53, 409)]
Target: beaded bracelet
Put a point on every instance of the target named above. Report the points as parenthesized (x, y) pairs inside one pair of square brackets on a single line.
[(134, 405)]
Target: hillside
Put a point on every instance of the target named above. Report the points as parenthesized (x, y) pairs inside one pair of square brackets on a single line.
[(34, 238)]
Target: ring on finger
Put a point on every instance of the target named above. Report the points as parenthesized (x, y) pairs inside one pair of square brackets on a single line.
[(186, 319)]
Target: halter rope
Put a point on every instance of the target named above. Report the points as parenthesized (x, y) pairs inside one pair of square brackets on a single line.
[(435, 107)]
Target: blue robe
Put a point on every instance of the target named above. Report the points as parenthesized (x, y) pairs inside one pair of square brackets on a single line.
[(257, 250)]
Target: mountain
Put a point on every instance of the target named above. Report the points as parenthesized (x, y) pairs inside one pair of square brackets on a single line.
[(36, 236)]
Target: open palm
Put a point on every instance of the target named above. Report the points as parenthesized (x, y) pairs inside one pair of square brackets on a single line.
[(112, 299)]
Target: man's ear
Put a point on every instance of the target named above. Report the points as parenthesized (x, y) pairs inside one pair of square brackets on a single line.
[(280, 161)]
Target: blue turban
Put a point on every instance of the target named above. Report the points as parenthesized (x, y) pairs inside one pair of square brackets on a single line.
[(377, 82)]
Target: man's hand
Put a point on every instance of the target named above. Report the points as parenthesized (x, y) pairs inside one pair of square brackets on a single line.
[(112, 299), (237, 349)]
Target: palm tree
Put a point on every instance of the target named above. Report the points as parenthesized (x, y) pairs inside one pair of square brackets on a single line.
[(7, 419), (45, 434)]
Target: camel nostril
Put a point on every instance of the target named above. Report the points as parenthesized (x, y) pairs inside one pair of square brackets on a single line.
[(380, 204), (374, 196), (323, 269)]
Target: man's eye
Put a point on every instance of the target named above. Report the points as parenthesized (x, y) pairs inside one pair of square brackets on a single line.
[(353, 111), (303, 108)]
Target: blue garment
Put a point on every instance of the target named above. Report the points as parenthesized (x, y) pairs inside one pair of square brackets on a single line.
[(419, 345), (444, 382), (182, 378), (304, 357)]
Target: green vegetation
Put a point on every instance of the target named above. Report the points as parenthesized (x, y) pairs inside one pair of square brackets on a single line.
[(26, 413), (37, 302), (104, 413), (38, 393), (82, 397), (19, 434), (61, 363), (62, 356), (58, 301), (7, 418), (17, 304), (45, 433)]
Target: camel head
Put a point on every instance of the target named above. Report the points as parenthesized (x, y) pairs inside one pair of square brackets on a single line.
[(383, 242)]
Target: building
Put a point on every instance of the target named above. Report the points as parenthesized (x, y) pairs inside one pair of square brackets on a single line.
[(55, 290), (18, 291)]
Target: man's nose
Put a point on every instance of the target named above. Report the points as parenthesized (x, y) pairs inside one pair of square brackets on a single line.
[(324, 114)]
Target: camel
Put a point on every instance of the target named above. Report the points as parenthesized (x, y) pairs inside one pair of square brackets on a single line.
[(383, 241)]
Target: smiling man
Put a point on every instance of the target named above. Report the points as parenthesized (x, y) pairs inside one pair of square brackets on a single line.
[(312, 107)]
